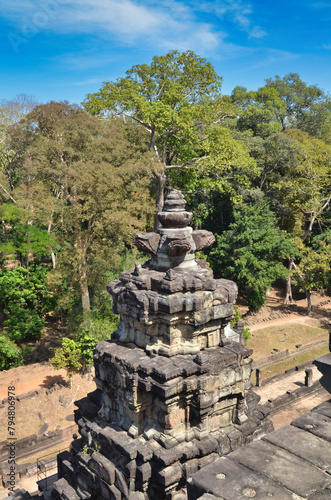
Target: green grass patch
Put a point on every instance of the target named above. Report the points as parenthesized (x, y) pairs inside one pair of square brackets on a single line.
[(283, 337), (287, 364)]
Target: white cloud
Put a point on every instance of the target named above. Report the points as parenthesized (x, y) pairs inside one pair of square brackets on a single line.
[(164, 23), (129, 22), (273, 56), (239, 12)]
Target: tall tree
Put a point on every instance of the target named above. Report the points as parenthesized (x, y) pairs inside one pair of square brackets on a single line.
[(313, 269), (252, 252), (88, 181), (177, 100), (11, 112), (284, 103), (300, 100)]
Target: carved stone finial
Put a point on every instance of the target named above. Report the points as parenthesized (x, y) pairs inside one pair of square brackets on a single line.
[(174, 214), (176, 248), (175, 201)]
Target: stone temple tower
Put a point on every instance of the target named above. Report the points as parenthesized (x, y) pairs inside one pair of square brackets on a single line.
[(173, 390)]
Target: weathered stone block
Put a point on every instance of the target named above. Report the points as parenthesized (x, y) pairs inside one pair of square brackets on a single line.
[(283, 467), (317, 424), (63, 491), (167, 457), (144, 472), (303, 444), (226, 479), (170, 475), (102, 467)]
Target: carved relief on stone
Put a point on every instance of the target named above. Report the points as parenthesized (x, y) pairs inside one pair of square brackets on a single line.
[(176, 248), (147, 242), (203, 239)]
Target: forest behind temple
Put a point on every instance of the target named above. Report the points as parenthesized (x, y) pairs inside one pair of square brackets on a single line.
[(77, 183)]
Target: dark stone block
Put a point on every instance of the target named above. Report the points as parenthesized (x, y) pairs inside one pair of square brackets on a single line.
[(144, 453), (130, 469), (236, 438), (208, 459), (189, 450), (96, 397), (102, 467), (226, 479), (302, 444), (170, 475), (28, 395), (121, 484), (323, 410), (283, 467), (207, 446), (316, 424), (144, 472), (110, 492), (167, 457), (68, 472), (88, 409), (63, 491), (190, 467)]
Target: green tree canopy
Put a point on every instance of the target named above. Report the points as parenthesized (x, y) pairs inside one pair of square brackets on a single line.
[(251, 252), (25, 300), (68, 357), (177, 100), (87, 182), (283, 103), (10, 354), (313, 269)]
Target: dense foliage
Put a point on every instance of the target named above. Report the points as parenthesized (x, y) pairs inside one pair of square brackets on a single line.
[(76, 185), (251, 252)]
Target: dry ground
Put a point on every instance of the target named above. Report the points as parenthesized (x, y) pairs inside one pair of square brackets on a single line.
[(38, 376)]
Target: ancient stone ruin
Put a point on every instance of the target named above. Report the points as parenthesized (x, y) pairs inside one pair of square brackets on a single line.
[(173, 387)]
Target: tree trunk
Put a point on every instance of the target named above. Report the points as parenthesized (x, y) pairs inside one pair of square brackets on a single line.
[(27, 262), (288, 292), (84, 286), (49, 229), (308, 295), (159, 183), (53, 258)]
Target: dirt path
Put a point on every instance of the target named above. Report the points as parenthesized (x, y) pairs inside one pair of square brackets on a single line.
[(30, 378), (294, 318)]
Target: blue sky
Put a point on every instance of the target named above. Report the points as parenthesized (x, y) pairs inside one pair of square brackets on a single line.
[(64, 49)]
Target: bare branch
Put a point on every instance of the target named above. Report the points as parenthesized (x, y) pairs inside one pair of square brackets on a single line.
[(8, 194), (147, 126), (184, 165)]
